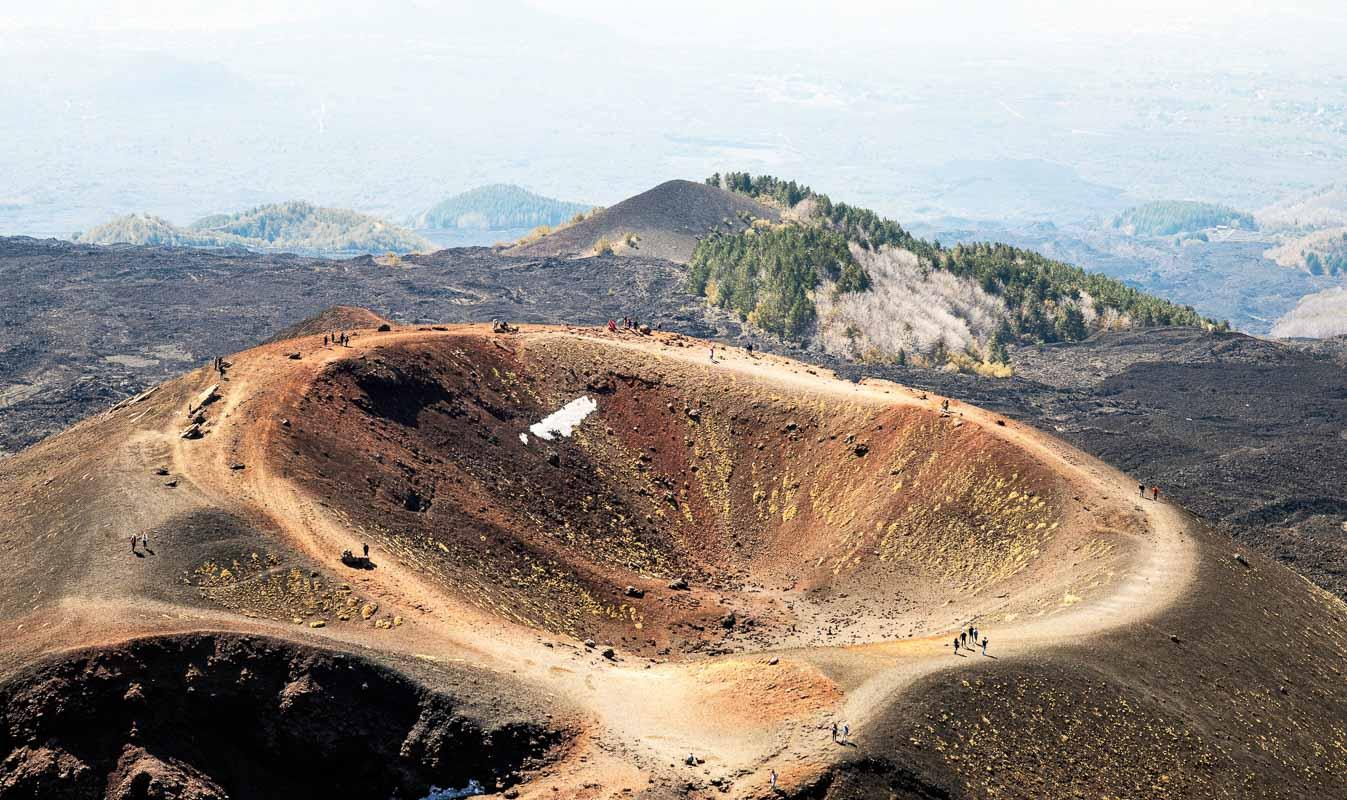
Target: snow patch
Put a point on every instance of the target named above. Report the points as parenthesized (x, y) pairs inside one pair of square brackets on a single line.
[(563, 421), (473, 789)]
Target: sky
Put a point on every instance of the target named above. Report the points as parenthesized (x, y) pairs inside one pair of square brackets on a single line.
[(713, 21), (187, 107)]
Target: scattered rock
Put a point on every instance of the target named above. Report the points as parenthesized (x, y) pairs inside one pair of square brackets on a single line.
[(1174, 637), (632, 591), (209, 395), (172, 483), (161, 471), (773, 661), (236, 466), (192, 431), (318, 623), (861, 449), (295, 356), (590, 643), (609, 654), (385, 328), (728, 621), (554, 459), (680, 584), (285, 423), (368, 610), (1239, 557)]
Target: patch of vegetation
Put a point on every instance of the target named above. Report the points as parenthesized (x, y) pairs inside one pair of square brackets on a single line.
[(298, 225), (765, 276), (1167, 218), (295, 226), (860, 225), (1330, 262), (499, 206), (146, 229), (1042, 295)]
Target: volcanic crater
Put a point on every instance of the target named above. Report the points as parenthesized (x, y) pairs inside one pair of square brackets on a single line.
[(701, 508), (614, 564)]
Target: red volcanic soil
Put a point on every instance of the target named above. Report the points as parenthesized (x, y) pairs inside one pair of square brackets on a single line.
[(723, 558), (333, 320)]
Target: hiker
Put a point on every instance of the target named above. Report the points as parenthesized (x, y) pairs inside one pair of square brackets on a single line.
[(774, 780), (325, 340), (834, 731), (973, 633), (956, 645), (133, 542), (1141, 487), (713, 354), (1155, 492), (749, 348), (963, 637), (984, 645), (145, 541), (612, 326), (691, 760), (846, 731), (366, 548), (944, 406)]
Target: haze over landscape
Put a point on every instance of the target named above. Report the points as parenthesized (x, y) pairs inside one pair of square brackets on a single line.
[(914, 400)]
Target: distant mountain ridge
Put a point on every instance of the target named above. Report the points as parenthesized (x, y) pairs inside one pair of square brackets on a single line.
[(295, 226), (497, 206)]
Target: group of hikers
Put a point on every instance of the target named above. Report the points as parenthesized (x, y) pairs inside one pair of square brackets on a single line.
[(1155, 491), (143, 540), (218, 364), (968, 639), (627, 323), (337, 339)]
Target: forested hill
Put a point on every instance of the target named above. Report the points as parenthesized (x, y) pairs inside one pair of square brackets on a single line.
[(498, 206), (295, 226), (1180, 216), (859, 285)]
